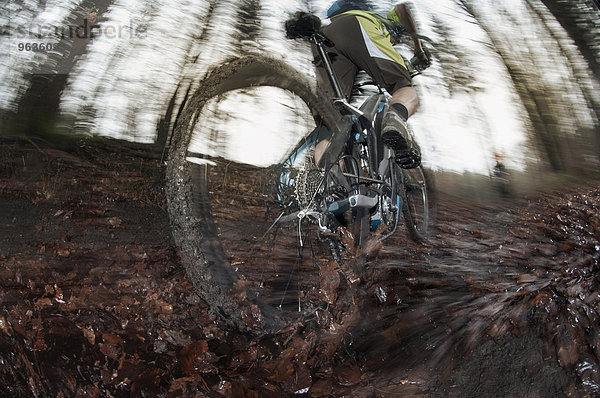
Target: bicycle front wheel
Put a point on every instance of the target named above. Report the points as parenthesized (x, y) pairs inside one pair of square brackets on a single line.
[(416, 206)]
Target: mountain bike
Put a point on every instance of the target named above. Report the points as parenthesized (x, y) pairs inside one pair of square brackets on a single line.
[(269, 246)]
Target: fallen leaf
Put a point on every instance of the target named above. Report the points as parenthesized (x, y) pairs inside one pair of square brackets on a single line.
[(112, 339), (348, 375), (89, 334), (5, 326), (253, 318), (191, 357), (114, 222)]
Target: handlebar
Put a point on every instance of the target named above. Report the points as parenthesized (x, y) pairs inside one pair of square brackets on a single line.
[(412, 66)]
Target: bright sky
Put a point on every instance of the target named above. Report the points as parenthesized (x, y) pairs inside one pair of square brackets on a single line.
[(122, 86), (458, 131)]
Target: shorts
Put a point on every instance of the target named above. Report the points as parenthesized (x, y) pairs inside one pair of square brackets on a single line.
[(362, 44)]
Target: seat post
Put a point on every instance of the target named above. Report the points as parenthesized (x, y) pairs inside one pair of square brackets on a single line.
[(340, 100), (318, 40)]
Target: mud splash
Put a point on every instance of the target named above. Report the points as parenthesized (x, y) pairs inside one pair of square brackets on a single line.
[(502, 299), (511, 284)]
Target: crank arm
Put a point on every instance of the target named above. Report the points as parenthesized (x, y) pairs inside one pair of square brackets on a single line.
[(358, 200)]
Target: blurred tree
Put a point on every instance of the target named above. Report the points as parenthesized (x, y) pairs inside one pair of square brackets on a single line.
[(581, 20), (247, 23), (39, 106), (459, 73), (179, 99), (544, 102)]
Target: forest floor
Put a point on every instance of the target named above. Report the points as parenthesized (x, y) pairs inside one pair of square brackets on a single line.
[(502, 299)]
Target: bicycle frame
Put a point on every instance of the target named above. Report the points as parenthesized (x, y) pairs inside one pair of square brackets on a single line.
[(362, 123)]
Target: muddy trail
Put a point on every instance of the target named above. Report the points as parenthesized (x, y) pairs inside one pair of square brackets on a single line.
[(502, 299)]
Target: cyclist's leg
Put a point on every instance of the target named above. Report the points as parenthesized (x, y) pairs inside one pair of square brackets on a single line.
[(359, 40), (395, 131), (407, 96)]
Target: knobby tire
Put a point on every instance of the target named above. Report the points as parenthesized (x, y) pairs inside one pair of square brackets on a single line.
[(189, 192)]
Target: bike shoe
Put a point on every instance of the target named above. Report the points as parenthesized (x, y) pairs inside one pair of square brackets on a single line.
[(396, 135), (410, 160)]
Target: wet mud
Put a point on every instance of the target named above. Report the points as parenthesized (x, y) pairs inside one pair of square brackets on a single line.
[(501, 299)]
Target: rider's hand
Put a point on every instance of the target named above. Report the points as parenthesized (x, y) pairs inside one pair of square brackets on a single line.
[(396, 32), (421, 60)]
